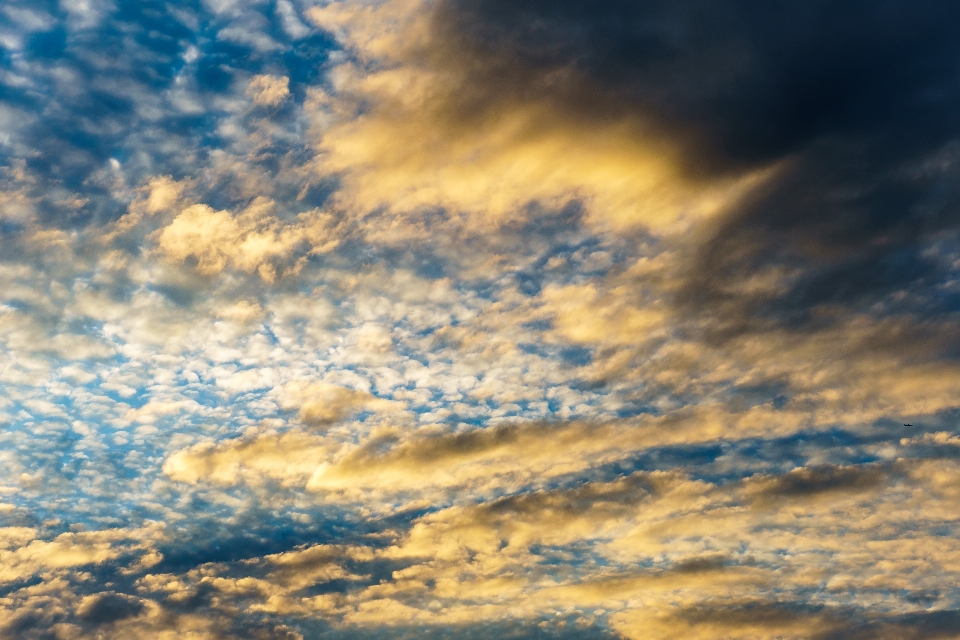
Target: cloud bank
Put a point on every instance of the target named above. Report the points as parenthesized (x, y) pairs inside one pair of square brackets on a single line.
[(471, 319)]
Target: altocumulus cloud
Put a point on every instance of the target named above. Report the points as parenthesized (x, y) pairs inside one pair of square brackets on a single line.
[(471, 318)]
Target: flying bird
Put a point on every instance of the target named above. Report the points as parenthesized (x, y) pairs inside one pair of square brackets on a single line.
[(908, 425)]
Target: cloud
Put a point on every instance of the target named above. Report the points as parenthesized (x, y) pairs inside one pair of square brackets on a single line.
[(312, 565), (252, 241), (430, 463), (269, 91), (108, 607), (286, 457), (813, 481), (421, 318), (584, 315), (24, 553), (760, 620), (939, 438), (322, 404), (706, 554), (656, 113), (430, 135)]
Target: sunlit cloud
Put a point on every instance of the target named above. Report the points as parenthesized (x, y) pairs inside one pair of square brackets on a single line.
[(471, 319)]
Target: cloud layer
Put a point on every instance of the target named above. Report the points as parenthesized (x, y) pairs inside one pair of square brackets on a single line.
[(470, 318)]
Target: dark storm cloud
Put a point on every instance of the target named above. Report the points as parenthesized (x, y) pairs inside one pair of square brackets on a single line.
[(850, 225), (743, 81), (857, 103)]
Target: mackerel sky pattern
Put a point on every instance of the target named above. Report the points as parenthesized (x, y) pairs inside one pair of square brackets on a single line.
[(479, 318)]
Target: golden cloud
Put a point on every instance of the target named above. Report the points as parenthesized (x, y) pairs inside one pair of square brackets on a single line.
[(424, 139), (23, 553), (324, 404), (269, 91), (253, 240)]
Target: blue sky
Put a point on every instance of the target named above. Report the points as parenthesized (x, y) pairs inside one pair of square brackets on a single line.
[(469, 318)]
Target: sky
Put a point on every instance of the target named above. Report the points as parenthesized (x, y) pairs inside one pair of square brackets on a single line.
[(520, 319)]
